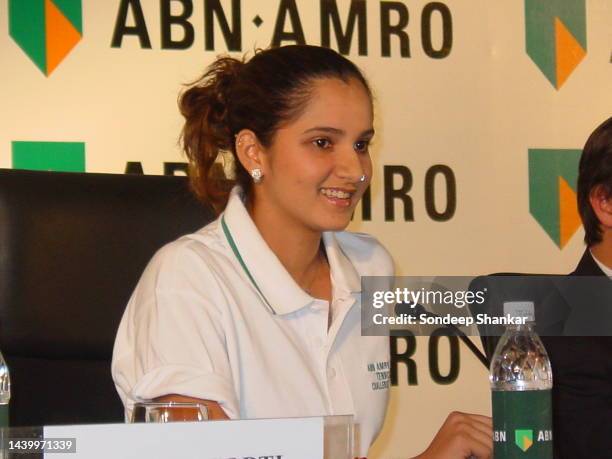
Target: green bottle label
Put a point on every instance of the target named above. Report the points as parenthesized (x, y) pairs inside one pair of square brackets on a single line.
[(522, 424), (4, 418)]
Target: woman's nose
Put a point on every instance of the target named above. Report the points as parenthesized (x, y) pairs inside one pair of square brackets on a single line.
[(349, 165)]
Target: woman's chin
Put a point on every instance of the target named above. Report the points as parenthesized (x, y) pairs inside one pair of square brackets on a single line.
[(335, 224)]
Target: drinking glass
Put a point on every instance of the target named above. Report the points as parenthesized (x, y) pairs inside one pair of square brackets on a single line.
[(148, 411)]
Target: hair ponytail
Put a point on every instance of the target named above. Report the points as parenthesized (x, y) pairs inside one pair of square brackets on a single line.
[(206, 133)]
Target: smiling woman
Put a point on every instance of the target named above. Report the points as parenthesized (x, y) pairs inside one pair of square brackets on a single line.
[(257, 315)]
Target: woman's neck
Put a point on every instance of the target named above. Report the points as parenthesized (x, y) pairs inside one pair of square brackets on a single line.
[(298, 248)]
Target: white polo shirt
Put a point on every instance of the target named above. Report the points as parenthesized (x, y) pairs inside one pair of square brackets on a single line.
[(216, 316)]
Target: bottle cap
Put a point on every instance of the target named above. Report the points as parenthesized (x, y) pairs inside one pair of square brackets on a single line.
[(520, 309)]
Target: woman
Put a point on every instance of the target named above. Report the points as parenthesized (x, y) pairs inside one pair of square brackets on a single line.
[(258, 313)]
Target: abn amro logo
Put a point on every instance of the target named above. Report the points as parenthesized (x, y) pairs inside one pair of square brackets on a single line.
[(46, 30), (555, 33), (553, 175), (523, 439)]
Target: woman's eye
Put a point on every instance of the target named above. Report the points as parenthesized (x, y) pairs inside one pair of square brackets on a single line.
[(361, 145), (322, 143)]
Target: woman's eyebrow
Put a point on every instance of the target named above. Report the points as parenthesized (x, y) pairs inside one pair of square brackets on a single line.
[(329, 129), (369, 132), (333, 130)]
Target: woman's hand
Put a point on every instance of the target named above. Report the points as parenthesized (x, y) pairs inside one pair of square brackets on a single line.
[(462, 436)]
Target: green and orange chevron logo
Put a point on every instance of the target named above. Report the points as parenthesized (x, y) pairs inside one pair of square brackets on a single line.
[(556, 36), (523, 439), (46, 30), (553, 175)]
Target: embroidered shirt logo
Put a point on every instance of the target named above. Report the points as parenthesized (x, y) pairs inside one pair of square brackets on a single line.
[(380, 374)]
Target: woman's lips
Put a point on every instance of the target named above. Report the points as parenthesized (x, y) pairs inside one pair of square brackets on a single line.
[(337, 196)]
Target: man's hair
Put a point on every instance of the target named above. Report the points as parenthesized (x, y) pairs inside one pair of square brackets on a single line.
[(595, 170)]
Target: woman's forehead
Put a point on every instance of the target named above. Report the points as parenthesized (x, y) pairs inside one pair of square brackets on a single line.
[(336, 104)]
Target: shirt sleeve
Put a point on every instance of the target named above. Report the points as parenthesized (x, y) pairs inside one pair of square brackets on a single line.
[(172, 337)]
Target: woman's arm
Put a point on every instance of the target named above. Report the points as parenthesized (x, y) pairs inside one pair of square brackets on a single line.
[(461, 436)]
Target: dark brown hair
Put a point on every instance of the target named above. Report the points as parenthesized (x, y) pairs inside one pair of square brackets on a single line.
[(262, 94), (595, 169)]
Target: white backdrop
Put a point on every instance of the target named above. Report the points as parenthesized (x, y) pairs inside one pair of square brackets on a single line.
[(478, 111)]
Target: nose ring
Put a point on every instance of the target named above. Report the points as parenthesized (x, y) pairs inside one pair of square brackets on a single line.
[(362, 178)]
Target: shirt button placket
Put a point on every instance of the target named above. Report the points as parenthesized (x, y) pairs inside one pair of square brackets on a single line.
[(324, 350)]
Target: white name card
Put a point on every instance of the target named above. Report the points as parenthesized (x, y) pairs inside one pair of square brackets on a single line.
[(293, 438)]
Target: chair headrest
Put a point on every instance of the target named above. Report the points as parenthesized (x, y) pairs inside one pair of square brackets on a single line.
[(72, 247)]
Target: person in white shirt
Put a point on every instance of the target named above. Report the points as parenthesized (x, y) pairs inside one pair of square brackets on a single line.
[(258, 314)]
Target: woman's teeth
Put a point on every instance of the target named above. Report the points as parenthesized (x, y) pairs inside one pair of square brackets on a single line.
[(332, 193)]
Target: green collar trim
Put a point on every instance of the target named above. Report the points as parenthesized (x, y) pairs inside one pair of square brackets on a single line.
[(232, 244)]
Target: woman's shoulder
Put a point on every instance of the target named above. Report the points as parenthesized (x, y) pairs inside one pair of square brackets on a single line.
[(183, 273), (367, 253), (190, 253)]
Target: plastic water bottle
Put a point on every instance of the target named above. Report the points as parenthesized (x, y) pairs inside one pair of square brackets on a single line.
[(521, 389), (5, 392)]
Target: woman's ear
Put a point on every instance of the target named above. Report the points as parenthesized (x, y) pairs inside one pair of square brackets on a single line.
[(249, 150), (601, 202)]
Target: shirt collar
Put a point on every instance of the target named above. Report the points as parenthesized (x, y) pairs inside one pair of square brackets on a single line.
[(344, 276), (607, 271), (278, 290)]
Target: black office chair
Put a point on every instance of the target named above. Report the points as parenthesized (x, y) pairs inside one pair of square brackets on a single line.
[(72, 247)]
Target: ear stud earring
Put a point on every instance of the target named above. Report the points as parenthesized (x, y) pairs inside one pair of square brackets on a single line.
[(257, 175)]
